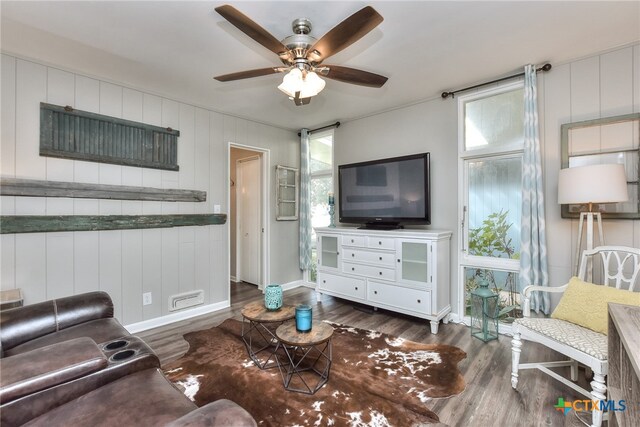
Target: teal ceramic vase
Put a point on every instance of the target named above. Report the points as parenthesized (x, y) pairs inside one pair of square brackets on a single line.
[(273, 297)]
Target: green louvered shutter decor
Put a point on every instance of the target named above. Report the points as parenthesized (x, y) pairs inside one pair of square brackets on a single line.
[(80, 135)]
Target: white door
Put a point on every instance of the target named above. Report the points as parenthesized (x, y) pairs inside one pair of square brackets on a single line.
[(248, 220)]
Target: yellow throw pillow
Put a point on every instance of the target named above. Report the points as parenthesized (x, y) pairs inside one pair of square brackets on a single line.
[(585, 304)]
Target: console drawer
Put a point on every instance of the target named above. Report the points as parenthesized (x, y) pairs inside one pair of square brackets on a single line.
[(350, 240), (347, 286), (357, 255), (381, 242), (399, 297), (369, 271)]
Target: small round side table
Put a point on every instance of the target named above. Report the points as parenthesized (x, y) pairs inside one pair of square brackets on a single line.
[(258, 331), (308, 357)]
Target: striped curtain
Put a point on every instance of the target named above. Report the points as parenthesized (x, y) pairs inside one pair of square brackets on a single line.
[(305, 203), (533, 252)]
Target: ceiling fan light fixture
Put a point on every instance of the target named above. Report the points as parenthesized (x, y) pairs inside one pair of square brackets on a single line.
[(312, 85), (308, 86), (292, 82)]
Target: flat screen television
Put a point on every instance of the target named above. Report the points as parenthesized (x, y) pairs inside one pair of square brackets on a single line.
[(387, 193)]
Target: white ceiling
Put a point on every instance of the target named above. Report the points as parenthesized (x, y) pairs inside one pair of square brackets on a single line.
[(175, 48)]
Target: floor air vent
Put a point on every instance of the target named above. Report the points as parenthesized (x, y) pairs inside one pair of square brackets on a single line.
[(186, 300)]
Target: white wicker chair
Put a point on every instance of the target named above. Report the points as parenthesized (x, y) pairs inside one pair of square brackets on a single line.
[(620, 268)]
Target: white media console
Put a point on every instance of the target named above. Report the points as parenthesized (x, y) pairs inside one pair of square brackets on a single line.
[(406, 271)]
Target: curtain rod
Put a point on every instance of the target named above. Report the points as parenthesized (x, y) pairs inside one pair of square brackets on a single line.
[(445, 95), (336, 124)]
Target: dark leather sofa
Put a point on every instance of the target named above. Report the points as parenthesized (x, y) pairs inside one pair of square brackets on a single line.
[(69, 362)]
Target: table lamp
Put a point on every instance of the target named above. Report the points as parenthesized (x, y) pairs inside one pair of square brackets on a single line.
[(588, 186)]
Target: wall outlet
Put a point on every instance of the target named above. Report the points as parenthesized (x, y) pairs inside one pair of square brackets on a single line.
[(146, 298), (216, 208)]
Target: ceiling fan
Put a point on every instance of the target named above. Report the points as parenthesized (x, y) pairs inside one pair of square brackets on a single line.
[(302, 55)]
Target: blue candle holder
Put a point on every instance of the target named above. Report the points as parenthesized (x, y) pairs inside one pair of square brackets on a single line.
[(303, 318)]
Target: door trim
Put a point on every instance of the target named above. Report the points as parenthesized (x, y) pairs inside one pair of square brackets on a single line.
[(265, 271)]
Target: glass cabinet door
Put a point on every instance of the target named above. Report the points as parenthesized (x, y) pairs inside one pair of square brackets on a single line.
[(329, 254), (414, 261)]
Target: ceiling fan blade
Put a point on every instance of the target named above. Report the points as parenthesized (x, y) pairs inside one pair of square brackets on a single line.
[(345, 33), (253, 30), (247, 74), (353, 76)]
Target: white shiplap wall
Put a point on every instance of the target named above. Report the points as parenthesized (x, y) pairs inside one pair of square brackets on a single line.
[(125, 263), (599, 86)]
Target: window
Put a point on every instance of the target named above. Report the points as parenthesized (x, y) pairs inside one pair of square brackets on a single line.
[(321, 183), (491, 129)]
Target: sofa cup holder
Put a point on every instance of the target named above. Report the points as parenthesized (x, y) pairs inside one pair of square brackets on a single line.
[(114, 345), (122, 355)]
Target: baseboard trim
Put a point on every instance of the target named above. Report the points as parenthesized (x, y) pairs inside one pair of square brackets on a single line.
[(233, 279), (176, 317), (454, 318), (291, 285), (198, 311)]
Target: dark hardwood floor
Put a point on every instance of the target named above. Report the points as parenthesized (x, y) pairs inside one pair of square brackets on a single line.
[(488, 399)]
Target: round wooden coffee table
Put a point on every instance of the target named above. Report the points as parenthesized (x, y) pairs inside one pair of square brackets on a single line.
[(308, 357), (258, 331)]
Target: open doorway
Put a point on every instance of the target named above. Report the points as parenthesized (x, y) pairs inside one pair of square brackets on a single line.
[(248, 215)]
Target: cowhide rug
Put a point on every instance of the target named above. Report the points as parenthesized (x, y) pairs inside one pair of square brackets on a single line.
[(375, 380)]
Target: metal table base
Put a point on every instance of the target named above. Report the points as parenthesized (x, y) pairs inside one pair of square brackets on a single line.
[(301, 359), (260, 338)]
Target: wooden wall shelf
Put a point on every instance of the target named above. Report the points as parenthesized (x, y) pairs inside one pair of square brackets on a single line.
[(13, 224), (36, 188)]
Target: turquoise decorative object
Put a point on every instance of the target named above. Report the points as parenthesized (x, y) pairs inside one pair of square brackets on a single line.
[(332, 210), (303, 318), (273, 297), (484, 313)]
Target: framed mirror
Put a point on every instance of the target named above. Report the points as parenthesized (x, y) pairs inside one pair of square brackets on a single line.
[(605, 141)]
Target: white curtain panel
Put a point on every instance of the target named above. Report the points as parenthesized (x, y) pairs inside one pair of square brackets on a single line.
[(533, 251), (305, 201)]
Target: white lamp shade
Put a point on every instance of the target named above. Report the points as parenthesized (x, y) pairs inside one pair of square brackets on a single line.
[(592, 184), (312, 85), (308, 86), (292, 82)]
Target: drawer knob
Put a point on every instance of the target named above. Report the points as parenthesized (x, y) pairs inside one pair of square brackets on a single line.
[(380, 258), (375, 292), (419, 301), (356, 288), (353, 255), (324, 281), (398, 259), (353, 269), (351, 240), (380, 273)]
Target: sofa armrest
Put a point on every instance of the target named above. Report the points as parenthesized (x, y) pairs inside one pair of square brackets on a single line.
[(49, 366), (526, 293), (22, 324), (220, 413)]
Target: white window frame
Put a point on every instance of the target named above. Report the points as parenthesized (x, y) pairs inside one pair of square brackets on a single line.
[(322, 174), (464, 156)]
